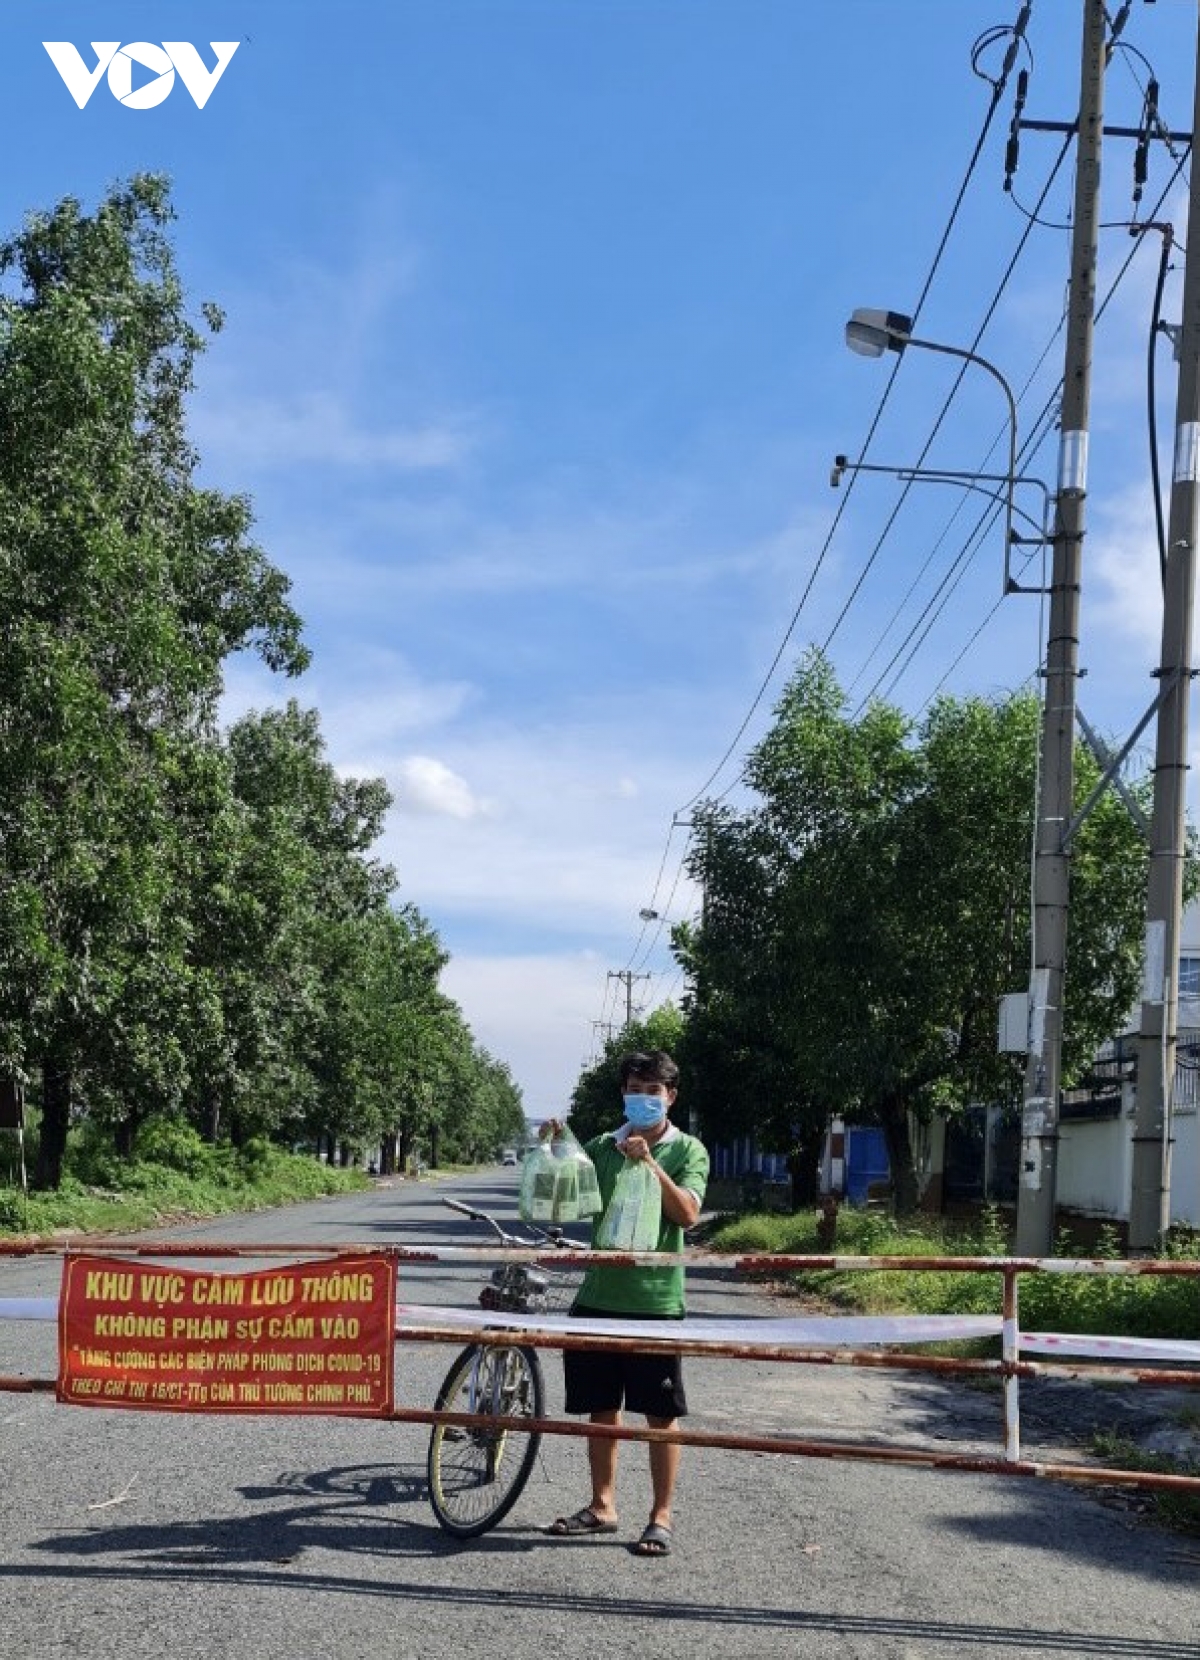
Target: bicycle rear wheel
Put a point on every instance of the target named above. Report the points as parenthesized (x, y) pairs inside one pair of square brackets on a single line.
[(477, 1473)]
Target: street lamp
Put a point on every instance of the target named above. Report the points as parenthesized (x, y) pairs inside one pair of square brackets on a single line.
[(871, 332)]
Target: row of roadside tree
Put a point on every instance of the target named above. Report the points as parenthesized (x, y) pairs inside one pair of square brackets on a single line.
[(193, 922)]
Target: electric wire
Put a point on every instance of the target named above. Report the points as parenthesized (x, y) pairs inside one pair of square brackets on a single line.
[(1152, 398), (1041, 428), (1028, 449), (664, 917), (958, 568), (1022, 243), (991, 513), (1026, 452), (1017, 33), (997, 86), (1153, 127), (652, 902), (989, 37), (993, 106)]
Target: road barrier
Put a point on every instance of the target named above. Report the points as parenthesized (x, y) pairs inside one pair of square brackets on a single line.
[(834, 1340)]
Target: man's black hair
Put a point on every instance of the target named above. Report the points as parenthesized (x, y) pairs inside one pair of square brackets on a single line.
[(654, 1065)]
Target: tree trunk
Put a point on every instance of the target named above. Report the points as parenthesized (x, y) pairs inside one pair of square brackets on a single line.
[(56, 1117), (803, 1167), (211, 1111), (893, 1119), (124, 1132)]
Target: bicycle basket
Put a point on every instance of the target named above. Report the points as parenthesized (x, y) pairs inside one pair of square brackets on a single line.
[(517, 1288)]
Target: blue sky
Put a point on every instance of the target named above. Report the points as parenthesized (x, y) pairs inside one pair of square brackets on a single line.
[(534, 371)]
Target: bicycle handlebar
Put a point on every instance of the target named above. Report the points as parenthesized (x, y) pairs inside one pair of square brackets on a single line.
[(556, 1239), (465, 1209)]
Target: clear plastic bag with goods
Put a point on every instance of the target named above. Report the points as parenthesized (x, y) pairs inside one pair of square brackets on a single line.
[(634, 1214), (558, 1182)]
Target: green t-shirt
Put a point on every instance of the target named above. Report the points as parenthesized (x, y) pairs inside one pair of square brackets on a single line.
[(653, 1291)]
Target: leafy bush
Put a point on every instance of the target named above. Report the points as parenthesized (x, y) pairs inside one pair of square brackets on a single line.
[(174, 1144)]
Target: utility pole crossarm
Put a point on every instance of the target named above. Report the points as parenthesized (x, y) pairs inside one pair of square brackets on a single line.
[(627, 977)]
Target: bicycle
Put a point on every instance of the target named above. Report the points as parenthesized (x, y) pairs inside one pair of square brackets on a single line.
[(477, 1473)]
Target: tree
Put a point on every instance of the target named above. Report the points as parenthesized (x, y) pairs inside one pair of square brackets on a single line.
[(191, 923), (862, 920), (123, 589), (291, 931)]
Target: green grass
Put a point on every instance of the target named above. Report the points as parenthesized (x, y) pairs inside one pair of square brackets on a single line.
[(1178, 1511), (1141, 1306), (172, 1176)]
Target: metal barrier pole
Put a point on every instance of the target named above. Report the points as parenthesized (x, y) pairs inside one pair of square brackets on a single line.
[(1010, 1355)]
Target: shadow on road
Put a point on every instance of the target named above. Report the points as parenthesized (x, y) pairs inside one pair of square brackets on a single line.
[(226, 1553)]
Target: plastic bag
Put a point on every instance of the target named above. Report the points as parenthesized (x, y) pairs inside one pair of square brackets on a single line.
[(577, 1191), (634, 1214), (558, 1183), (537, 1184)]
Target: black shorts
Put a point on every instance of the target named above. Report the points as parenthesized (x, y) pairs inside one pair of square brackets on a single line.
[(605, 1380)]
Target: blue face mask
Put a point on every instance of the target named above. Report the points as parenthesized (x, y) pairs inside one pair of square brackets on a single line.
[(645, 1111)]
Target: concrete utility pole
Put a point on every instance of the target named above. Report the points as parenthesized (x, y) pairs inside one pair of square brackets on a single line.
[(1051, 878), (1150, 1198), (628, 977)]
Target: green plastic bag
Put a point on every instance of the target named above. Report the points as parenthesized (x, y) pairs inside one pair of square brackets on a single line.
[(558, 1183), (634, 1214)]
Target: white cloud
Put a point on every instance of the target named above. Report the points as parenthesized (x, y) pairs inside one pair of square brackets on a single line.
[(426, 785), (555, 828), (367, 701), (1123, 571), (536, 1013), (554, 860), (397, 547), (310, 368), (319, 428)]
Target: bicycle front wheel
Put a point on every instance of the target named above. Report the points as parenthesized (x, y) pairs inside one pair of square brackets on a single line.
[(477, 1472)]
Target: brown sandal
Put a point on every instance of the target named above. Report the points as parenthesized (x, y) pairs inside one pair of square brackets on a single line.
[(583, 1522)]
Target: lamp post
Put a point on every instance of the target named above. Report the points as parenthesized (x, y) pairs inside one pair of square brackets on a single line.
[(871, 332)]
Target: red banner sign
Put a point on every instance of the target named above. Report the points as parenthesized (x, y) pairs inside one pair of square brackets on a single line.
[(314, 1338)]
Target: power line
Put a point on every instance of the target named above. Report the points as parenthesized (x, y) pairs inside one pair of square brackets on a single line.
[(989, 514), (1041, 430), (986, 518), (941, 416), (1017, 33), (998, 87)]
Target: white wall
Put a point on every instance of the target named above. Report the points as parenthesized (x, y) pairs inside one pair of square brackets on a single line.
[(1095, 1164), (1094, 1160)]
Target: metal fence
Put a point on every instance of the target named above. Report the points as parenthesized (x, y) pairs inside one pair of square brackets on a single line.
[(894, 1342)]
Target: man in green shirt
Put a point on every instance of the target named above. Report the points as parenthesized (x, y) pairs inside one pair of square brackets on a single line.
[(602, 1382)]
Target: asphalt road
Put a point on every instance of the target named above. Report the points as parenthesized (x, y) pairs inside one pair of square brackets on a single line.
[(143, 1535)]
